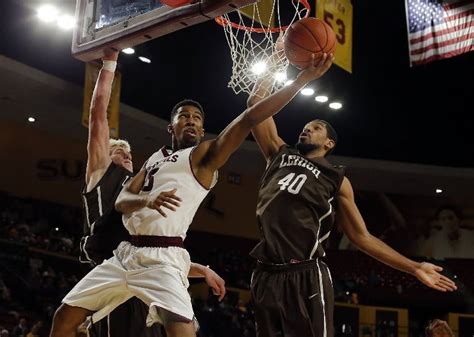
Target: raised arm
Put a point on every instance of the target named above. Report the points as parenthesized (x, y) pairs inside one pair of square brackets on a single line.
[(98, 156), (212, 154), (354, 227), (266, 133)]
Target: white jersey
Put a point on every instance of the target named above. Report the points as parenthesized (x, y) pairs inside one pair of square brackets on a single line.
[(164, 174)]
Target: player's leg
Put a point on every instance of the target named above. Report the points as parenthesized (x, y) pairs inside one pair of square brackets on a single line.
[(164, 290), (67, 319), (328, 290), (288, 301), (177, 326), (267, 310), (129, 319), (99, 292)]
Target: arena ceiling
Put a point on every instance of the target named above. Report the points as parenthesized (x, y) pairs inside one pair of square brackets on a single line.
[(391, 111)]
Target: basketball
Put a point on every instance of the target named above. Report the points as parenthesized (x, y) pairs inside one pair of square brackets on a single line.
[(308, 36)]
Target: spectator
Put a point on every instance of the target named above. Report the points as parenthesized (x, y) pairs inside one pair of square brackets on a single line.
[(448, 239), (21, 329), (438, 328)]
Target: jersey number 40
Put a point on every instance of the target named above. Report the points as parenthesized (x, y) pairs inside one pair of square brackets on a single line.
[(291, 183)]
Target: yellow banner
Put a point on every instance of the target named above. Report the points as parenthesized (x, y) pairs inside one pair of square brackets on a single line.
[(261, 13), (338, 14), (92, 72)]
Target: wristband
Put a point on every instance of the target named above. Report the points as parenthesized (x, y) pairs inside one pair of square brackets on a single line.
[(109, 65)]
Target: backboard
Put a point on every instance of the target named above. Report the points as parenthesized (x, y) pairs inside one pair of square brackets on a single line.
[(125, 23)]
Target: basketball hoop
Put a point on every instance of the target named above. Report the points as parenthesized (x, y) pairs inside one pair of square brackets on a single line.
[(251, 41)]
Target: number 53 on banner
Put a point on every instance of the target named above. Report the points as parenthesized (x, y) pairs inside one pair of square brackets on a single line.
[(338, 14)]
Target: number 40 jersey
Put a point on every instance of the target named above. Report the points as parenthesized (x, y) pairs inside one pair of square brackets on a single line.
[(295, 210)]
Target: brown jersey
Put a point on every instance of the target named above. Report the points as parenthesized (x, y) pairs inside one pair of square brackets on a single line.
[(295, 210)]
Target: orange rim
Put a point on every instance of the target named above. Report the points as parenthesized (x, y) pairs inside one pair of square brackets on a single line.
[(224, 22)]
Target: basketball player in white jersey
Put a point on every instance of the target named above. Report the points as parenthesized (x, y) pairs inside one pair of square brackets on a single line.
[(109, 166), (159, 204)]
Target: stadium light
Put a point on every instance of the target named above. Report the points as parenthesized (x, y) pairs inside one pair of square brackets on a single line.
[(321, 99), (335, 105), (128, 51), (280, 77), (66, 22), (47, 13), (259, 68), (307, 91), (144, 59)]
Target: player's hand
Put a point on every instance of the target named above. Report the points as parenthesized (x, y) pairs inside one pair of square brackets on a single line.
[(215, 282), (167, 199), (429, 274), (279, 48), (110, 55), (316, 69)]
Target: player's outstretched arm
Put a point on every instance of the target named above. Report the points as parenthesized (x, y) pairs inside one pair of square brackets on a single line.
[(98, 156), (129, 199), (353, 225), (213, 280), (213, 154), (266, 133)]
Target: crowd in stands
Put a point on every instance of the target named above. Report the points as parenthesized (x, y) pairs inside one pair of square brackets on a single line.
[(40, 224), (32, 284)]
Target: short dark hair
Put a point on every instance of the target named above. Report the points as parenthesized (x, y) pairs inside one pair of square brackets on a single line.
[(451, 208), (184, 102), (332, 134)]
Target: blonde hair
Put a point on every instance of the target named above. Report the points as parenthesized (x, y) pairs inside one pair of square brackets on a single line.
[(120, 143)]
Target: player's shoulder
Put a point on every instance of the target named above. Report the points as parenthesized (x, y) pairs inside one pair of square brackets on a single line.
[(163, 152)]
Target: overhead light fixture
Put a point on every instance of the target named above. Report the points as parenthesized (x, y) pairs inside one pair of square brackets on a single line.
[(280, 77), (48, 13), (144, 59), (439, 191), (307, 91), (66, 22), (321, 99), (259, 68), (335, 105), (128, 51), (31, 119)]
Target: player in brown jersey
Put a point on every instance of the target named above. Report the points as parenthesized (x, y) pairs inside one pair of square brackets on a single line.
[(300, 194)]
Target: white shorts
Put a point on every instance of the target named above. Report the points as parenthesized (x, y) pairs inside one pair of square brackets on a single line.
[(157, 276)]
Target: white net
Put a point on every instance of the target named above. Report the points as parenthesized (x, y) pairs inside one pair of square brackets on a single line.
[(252, 47)]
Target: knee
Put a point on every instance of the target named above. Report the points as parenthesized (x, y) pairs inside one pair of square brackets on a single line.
[(67, 318)]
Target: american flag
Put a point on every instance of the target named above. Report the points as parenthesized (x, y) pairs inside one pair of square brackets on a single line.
[(439, 29)]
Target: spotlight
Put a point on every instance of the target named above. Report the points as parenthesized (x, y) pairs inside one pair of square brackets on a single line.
[(335, 105), (66, 22), (48, 13), (307, 92), (128, 51), (280, 77), (144, 59), (321, 99), (259, 68)]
